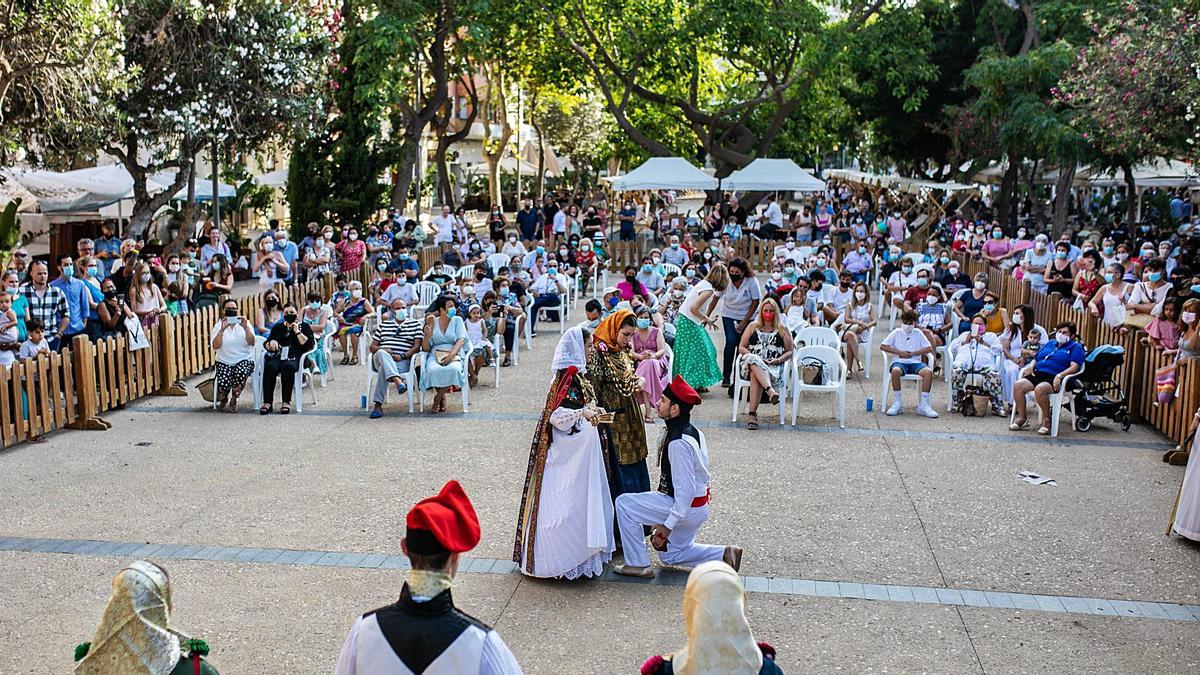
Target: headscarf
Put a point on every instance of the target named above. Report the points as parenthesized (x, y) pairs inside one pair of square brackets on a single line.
[(607, 331), (714, 617), (134, 635), (570, 351)]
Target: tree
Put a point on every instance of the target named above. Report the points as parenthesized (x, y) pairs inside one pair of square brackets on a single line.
[(58, 66), (231, 73), (709, 65), (577, 127), (1128, 87)]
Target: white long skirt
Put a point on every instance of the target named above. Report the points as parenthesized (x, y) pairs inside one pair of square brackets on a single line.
[(1187, 517), (574, 535)]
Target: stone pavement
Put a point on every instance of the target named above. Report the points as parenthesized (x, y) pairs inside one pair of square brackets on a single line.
[(895, 544)]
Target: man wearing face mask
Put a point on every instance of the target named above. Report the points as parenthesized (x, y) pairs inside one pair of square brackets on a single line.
[(547, 290), (858, 262), (286, 342), (651, 280), (395, 341), (1035, 262), (529, 223), (627, 217), (674, 253)]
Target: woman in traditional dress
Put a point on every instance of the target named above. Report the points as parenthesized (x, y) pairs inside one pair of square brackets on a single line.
[(135, 634), (1187, 513), (695, 354), (610, 370), (565, 526), (718, 636)]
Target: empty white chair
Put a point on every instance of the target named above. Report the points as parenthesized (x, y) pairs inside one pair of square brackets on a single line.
[(669, 269), (466, 273), (818, 335), (427, 292), (833, 378), (331, 327), (917, 259), (497, 261)]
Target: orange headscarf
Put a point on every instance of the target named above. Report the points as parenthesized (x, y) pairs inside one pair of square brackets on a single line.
[(607, 331)]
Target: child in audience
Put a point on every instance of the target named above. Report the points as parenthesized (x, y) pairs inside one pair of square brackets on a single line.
[(908, 347), (177, 303), (35, 343), (8, 331)]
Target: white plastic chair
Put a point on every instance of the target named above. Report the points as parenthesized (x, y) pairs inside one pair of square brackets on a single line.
[(818, 335), (331, 327), (740, 385), (427, 292), (366, 358), (465, 273), (561, 308), (834, 378), (304, 376), (1056, 403), (497, 261), (886, 358), (497, 343), (670, 268), (917, 259)]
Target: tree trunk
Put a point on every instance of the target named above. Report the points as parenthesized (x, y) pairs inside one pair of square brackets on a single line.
[(1008, 186), (444, 191), (189, 209), (1131, 201), (404, 175), (495, 146), (1062, 200), (540, 189)]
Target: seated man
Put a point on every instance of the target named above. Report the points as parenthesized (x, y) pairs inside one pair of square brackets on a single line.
[(915, 295), (909, 345), (547, 290), (1056, 359), (899, 282), (822, 297), (396, 340)]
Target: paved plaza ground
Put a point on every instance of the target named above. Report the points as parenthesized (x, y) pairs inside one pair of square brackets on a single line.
[(898, 544)]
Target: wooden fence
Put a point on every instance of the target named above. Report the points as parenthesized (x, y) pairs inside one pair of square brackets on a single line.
[(36, 397), (1136, 376)]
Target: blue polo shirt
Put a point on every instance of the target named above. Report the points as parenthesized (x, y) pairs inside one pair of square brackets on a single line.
[(1054, 358), (110, 246), (77, 302)]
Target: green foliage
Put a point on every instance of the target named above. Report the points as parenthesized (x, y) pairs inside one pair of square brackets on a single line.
[(577, 127)]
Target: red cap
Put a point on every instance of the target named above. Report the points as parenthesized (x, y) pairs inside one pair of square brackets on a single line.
[(681, 392), (444, 523)]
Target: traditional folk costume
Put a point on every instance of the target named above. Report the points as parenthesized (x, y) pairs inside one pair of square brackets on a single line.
[(135, 634), (1187, 514), (681, 502), (423, 632), (565, 527), (719, 641), (611, 371)]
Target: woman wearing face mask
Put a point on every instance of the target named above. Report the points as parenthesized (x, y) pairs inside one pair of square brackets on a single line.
[(1146, 294), (1060, 273), (316, 316), (145, 298), (351, 252), (1037, 259), (1045, 374), (351, 314), (974, 355), (632, 286), (1020, 340), (496, 223), (969, 304), (998, 250), (765, 347), (1109, 302), (933, 316), (91, 278), (269, 314), (858, 318), (20, 304), (286, 343), (1087, 279), (318, 259), (233, 340), (268, 263), (649, 352), (112, 311), (445, 343), (514, 247)]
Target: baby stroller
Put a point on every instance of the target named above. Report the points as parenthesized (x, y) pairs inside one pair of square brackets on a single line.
[(1096, 390)]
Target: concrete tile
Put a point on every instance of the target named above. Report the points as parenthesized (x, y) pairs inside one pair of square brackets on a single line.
[(804, 587), (974, 598), (227, 553), (189, 551), (503, 567), (126, 549), (755, 584), (1152, 610), (207, 553), (779, 585), (50, 545), (850, 589), (268, 555), (330, 558), (395, 562), (1102, 607), (901, 594), (1049, 603), (828, 589), (168, 550), (288, 558), (1127, 608), (1076, 605), (1177, 612), (372, 560), (1024, 601), (875, 592), (352, 559), (999, 600), (926, 595), (949, 596)]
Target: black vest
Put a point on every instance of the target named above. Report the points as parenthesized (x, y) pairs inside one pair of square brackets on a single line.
[(677, 428), (420, 631)]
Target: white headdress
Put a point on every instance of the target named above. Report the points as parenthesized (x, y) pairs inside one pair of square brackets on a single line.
[(570, 351)]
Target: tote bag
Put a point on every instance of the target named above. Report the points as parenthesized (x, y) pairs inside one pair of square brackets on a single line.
[(136, 338)]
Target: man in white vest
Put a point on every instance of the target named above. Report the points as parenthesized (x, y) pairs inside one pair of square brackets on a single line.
[(423, 632)]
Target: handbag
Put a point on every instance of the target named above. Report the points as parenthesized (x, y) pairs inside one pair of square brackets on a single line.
[(136, 334), (207, 388), (812, 371)]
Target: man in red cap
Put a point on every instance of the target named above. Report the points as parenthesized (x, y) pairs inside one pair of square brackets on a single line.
[(423, 632), (680, 506)]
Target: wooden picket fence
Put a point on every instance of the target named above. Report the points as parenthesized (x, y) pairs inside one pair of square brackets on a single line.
[(1136, 376), (36, 397)]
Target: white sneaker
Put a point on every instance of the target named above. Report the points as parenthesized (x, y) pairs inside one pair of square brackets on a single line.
[(894, 410), (926, 411)]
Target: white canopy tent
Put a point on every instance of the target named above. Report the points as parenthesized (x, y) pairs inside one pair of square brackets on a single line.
[(203, 187), (1160, 173), (79, 190), (763, 174), (274, 179), (664, 173)]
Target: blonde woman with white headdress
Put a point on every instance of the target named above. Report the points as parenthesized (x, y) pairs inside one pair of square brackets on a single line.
[(719, 641)]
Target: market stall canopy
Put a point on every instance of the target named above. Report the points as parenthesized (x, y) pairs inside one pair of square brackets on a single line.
[(664, 173), (203, 187), (274, 179), (508, 164), (1161, 172), (79, 190), (772, 174), (11, 188), (900, 183)]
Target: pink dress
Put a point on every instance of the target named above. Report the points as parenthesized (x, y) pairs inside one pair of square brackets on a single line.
[(653, 370)]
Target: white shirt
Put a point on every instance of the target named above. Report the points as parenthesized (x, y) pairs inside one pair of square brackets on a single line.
[(233, 345), (560, 222), (366, 652), (903, 280), (445, 229), (406, 292), (972, 356), (840, 298), (513, 248), (913, 341), (693, 293), (689, 476), (773, 214), (548, 285)]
